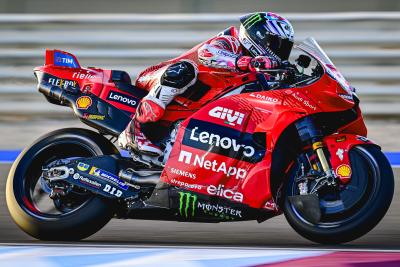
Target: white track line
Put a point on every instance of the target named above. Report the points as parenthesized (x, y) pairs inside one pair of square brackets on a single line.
[(146, 246)]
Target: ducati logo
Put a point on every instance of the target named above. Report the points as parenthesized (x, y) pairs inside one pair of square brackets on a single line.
[(229, 116)]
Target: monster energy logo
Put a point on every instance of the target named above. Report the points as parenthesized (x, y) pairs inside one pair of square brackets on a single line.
[(248, 23), (187, 201)]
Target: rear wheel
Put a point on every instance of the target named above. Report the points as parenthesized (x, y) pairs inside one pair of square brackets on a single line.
[(361, 204), (73, 216)]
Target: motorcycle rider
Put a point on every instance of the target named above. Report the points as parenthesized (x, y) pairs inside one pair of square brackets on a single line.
[(263, 41)]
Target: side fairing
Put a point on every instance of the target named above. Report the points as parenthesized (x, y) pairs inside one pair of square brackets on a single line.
[(220, 152)]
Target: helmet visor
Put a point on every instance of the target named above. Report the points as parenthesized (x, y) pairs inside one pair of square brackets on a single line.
[(273, 44)]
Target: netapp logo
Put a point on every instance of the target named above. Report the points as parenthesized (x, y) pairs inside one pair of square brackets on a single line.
[(228, 115), (213, 165), (222, 140), (123, 99)]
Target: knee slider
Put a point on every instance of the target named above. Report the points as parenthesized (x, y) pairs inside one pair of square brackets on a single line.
[(179, 75)]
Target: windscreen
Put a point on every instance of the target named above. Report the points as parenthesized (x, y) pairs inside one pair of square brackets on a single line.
[(311, 47)]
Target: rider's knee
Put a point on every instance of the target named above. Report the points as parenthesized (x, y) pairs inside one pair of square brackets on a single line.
[(180, 75)]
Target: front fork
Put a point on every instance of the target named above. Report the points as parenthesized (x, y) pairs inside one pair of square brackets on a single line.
[(310, 135)]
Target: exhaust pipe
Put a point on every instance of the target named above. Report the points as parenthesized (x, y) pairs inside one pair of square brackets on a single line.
[(51, 91), (131, 177)]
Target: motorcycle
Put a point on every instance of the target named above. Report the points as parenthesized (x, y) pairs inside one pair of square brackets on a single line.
[(245, 147)]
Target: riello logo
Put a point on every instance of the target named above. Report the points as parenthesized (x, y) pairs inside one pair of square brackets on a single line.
[(229, 116)]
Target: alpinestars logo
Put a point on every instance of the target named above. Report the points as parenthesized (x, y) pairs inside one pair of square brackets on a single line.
[(229, 116)]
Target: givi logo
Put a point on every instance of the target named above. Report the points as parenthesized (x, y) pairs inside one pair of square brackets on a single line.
[(229, 116)]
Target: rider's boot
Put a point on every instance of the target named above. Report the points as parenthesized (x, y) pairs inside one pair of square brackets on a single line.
[(132, 138)]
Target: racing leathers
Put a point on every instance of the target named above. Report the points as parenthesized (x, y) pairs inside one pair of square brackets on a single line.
[(171, 78)]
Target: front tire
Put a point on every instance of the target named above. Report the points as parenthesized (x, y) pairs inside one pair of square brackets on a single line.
[(74, 224), (373, 182)]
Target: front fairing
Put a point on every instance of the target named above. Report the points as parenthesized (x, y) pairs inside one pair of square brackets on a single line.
[(225, 149)]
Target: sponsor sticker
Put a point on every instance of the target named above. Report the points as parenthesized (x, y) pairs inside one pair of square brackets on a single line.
[(86, 181), (182, 173), (343, 171), (346, 97), (82, 75), (112, 190), (189, 205), (63, 83), (83, 166), (229, 116), (64, 60), (94, 117), (108, 177), (123, 99), (223, 141), (212, 165), (339, 153), (265, 98), (226, 193), (84, 102), (186, 185), (340, 139), (305, 102)]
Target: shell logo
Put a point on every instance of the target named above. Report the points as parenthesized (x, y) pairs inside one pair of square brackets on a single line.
[(84, 102), (343, 171)]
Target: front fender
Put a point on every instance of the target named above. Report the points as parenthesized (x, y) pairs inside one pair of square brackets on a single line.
[(339, 146)]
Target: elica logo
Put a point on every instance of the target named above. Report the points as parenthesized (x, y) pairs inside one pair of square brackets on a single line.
[(229, 116), (215, 166), (226, 193), (187, 203), (123, 99)]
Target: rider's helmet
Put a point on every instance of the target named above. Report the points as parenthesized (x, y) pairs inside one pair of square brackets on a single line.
[(266, 34)]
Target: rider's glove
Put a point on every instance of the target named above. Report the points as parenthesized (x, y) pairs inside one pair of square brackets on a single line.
[(254, 63)]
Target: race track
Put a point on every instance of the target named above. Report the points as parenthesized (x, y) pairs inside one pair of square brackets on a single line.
[(273, 233)]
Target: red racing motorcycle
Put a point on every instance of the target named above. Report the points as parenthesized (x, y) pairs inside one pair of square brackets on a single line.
[(254, 146)]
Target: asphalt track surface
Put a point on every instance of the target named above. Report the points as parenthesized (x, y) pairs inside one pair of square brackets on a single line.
[(273, 233)]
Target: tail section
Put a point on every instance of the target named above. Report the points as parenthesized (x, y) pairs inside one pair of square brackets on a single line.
[(61, 59)]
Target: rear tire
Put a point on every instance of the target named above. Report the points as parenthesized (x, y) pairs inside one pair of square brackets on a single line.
[(88, 218), (367, 212)]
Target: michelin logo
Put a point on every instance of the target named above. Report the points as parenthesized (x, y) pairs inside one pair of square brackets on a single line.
[(108, 177)]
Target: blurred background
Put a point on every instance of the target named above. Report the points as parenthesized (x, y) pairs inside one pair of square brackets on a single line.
[(130, 35), (361, 37)]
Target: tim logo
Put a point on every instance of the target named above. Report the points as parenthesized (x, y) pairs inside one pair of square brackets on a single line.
[(229, 116)]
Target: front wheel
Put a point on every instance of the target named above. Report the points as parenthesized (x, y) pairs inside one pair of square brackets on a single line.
[(71, 216), (361, 205)]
